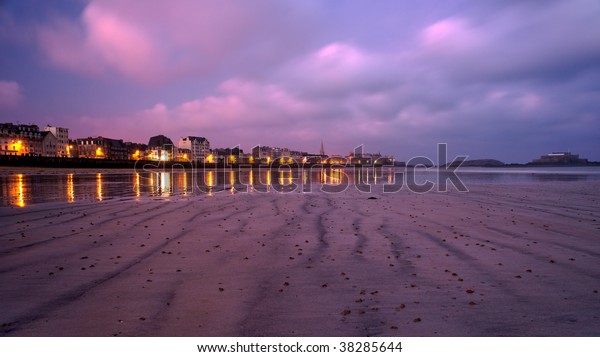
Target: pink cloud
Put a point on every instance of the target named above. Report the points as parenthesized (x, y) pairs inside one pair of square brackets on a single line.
[(10, 94), (247, 112), (102, 40), (65, 46), (447, 31), (122, 45), (340, 68), (530, 101), (157, 41)]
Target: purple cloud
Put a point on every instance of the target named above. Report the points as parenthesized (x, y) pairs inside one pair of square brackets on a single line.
[(508, 80), (10, 94)]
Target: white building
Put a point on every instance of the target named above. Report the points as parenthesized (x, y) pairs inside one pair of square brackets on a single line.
[(62, 137), (198, 146)]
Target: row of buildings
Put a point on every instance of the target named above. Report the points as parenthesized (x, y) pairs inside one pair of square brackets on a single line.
[(29, 140)]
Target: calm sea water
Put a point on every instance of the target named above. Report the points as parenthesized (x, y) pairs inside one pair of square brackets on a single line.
[(24, 189)]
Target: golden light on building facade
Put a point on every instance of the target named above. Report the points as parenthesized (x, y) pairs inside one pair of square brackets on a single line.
[(18, 148)]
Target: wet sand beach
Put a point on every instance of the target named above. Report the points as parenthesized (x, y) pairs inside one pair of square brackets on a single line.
[(501, 260)]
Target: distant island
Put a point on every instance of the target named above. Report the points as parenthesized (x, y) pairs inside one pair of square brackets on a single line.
[(561, 158)]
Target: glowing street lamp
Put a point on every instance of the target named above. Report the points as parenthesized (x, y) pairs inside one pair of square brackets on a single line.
[(17, 146)]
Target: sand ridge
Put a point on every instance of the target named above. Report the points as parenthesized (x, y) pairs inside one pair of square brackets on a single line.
[(517, 260)]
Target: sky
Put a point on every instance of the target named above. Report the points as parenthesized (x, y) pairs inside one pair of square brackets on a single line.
[(503, 79)]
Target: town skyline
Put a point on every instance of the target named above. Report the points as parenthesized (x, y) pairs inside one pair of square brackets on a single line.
[(503, 80), (29, 140)]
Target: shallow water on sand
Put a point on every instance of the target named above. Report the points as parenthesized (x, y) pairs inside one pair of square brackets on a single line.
[(23, 187)]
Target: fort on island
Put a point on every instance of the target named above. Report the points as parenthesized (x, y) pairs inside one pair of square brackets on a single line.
[(53, 142), (560, 158)]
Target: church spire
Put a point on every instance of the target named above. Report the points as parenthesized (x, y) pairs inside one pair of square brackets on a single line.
[(322, 151)]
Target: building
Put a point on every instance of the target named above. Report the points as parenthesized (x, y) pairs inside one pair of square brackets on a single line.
[(199, 147), (73, 148), (102, 148), (62, 136), (117, 150), (22, 140), (92, 148), (360, 159), (262, 154), (226, 155), (560, 158), (269, 154), (184, 155), (49, 144), (136, 151), (161, 148)]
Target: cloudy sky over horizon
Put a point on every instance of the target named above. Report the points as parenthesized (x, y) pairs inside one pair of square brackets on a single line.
[(509, 80)]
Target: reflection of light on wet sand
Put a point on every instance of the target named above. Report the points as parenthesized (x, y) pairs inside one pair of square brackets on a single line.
[(136, 184), (70, 189), (232, 181), (390, 177), (284, 179), (20, 191), (151, 179), (99, 186), (165, 183), (269, 180), (209, 179), (335, 176), (185, 183)]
